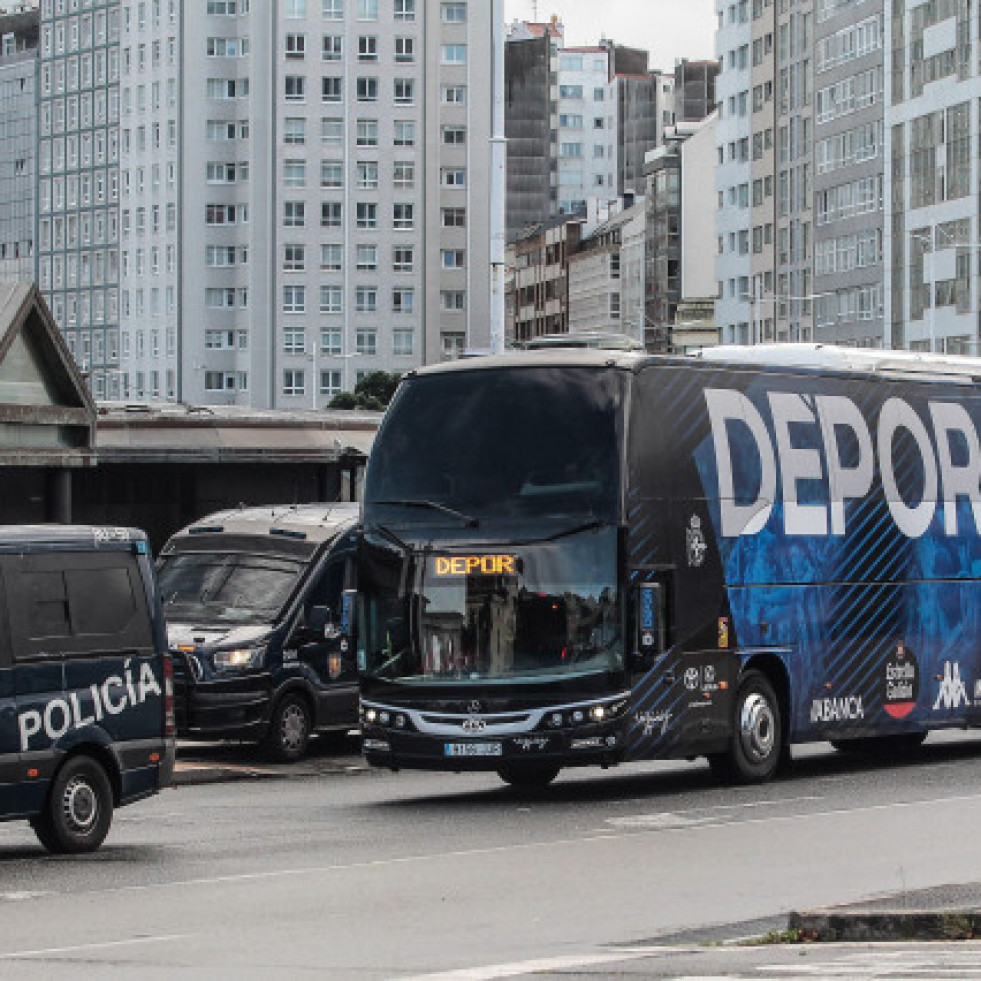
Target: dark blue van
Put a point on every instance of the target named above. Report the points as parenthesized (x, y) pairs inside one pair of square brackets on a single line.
[(86, 690), (257, 601)]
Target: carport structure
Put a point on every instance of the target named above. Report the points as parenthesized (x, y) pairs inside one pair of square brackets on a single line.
[(47, 416)]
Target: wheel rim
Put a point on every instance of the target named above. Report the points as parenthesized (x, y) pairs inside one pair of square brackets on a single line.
[(757, 728), (80, 805), (293, 728)]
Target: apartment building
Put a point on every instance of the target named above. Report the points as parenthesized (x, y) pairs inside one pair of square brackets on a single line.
[(257, 203), (18, 133)]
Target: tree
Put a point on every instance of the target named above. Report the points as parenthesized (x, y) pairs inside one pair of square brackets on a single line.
[(373, 392)]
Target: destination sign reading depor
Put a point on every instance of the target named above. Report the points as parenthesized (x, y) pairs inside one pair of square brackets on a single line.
[(491, 564)]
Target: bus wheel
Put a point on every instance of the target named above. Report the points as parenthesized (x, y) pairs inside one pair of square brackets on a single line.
[(754, 753), (78, 811), (289, 729), (528, 777)]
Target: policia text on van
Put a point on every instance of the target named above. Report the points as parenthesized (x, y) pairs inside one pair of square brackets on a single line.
[(86, 693), (256, 615)]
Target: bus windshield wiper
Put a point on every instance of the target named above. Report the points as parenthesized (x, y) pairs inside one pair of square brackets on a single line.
[(468, 520), (574, 530)]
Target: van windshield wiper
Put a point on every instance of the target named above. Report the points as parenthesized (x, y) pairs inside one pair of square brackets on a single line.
[(468, 520)]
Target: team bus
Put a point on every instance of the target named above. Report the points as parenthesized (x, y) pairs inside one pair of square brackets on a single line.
[(591, 557)]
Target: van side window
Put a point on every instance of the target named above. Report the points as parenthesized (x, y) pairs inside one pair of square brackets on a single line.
[(327, 590), (81, 603)]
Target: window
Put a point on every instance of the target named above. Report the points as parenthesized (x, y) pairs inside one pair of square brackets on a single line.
[(367, 48), (332, 131), (367, 257), (454, 217), (294, 299), (402, 300), (332, 257), (404, 92), (368, 132), (331, 299), (366, 341), (294, 9), (405, 133), (401, 342), (294, 130), (296, 45), (456, 54), (330, 341), (330, 214), (332, 48), (333, 9), (331, 174), (367, 88), (452, 258), (294, 258), (453, 177), (403, 216), (295, 88), (453, 301), (367, 214), (366, 299), (294, 214), (404, 174), (405, 9), (367, 9), (330, 383), (294, 173), (367, 174), (330, 88), (404, 50), (454, 95), (452, 345), (454, 13), (403, 258), (294, 341), (454, 135), (293, 381)]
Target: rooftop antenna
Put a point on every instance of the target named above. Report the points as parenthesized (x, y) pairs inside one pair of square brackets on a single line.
[(534, 11)]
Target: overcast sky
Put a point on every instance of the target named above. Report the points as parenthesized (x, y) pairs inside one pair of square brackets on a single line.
[(668, 29)]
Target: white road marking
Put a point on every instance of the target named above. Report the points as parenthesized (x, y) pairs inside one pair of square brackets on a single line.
[(518, 968), (104, 945), (19, 896)]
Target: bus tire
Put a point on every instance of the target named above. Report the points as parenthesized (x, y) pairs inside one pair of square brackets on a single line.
[(528, 777), (289, 729), (78, 811), (756, 747)]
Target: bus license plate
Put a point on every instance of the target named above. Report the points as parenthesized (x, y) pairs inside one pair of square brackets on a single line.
[(474, 749)]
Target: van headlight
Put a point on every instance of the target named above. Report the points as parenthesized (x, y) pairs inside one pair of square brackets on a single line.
[(240, 659)]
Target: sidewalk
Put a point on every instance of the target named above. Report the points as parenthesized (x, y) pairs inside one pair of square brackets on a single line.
[(951, 912)]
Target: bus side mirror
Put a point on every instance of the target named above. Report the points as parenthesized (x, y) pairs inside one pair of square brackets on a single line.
[(649, 642)]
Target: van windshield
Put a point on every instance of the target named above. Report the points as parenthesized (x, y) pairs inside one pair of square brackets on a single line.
[(229, 588)]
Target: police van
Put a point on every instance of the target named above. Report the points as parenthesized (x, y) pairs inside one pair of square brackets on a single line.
[(257, 602), (86, 695)]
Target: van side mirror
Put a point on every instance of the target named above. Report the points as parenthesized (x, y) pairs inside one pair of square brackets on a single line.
[(649, 641)]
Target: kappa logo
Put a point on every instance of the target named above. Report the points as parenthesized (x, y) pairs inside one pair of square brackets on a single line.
[(953, 692)]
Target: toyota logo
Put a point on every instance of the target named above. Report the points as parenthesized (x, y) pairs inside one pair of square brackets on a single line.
[(474, 725)]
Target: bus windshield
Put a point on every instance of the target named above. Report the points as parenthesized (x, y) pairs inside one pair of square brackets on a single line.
[(537, 612), (521, 443)]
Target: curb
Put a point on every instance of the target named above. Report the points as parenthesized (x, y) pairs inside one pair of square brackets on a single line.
[(190, 775), (824, 926)]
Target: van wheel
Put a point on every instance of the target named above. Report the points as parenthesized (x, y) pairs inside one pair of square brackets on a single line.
[(755, 750), (78, 811), (528, 777), (289, 730)]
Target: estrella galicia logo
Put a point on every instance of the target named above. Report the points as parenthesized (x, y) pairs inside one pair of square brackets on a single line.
[(901, 682), (695, 539)]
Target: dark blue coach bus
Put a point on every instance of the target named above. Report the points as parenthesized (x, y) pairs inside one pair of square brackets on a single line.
[(574, 558), (86, 689)]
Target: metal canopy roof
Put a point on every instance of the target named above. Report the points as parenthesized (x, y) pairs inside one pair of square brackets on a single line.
[(47, 416), (177, 433)]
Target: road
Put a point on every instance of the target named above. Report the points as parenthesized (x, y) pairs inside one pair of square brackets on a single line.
[(367, 874)]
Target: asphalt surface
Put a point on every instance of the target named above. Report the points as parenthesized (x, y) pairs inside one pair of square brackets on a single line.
[(336, 871)]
